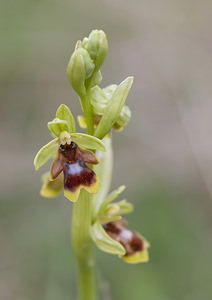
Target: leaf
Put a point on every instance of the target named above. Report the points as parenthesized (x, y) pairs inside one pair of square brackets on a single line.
[(87, 141), (114, 107), (104, 242), (112, 196), (64, 113), (45, 153), (57, 126)]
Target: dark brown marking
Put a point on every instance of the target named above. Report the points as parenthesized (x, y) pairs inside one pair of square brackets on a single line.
[(77, 174), (130, 240), (71, 159)]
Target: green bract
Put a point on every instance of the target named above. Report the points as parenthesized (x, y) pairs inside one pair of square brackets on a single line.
[(113, 108)]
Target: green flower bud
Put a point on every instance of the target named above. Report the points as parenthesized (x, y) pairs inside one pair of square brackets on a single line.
[(98, 100), (79, 68), (96, 79), (109, 90), (97, 46), (124, 116)]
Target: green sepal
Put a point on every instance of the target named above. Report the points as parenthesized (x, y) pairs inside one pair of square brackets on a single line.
[(98, 100), (45, 153), (57, 126), (112, 196), (113, 108), (64, 113), (88, 141), (104, 242), (51, 188)]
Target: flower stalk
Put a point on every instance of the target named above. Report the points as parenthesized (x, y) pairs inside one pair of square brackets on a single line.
[(82, 245)]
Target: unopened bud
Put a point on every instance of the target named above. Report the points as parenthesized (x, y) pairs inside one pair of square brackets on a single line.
[(124, 116), (98, 100), (97, 46), (79, 68)]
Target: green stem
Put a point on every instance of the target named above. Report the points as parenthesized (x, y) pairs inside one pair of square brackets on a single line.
[(81, 223), (82, 246), (85, 100)]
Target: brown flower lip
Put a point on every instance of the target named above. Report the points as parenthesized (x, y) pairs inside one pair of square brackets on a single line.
[(128, 239), (71, 159)]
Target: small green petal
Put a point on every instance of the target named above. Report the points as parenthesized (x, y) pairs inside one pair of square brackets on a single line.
[(87, 141), (112, 196), (57, 126), (104, 242), (124, 207), (114, 107), (64, 113), (45, 153), (53, 188)]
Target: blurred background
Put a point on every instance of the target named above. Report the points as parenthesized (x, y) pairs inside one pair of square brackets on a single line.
[(164, 155)]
